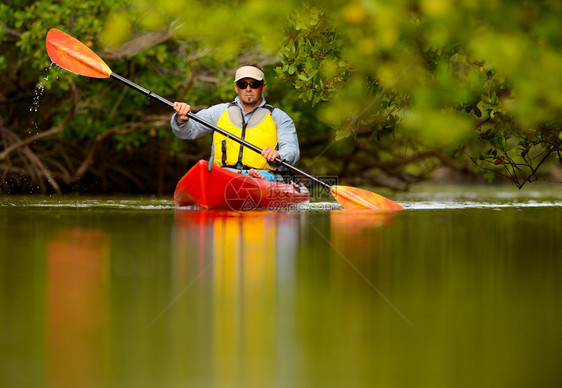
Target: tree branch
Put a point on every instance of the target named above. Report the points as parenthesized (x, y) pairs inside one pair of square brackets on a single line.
[(136, 45), (123, 130), (11, 31), (42, 169)]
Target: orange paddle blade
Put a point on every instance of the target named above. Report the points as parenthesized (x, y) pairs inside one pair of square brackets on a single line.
[(74, 56), (354, 198)]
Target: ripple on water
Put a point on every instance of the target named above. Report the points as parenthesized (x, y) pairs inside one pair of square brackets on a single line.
[(437, 205), (478, 198)]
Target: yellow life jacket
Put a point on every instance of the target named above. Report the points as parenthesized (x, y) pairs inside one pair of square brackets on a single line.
[(260, 130)]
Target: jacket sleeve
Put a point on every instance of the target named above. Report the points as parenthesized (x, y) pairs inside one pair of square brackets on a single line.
[(193, 130), (287, 140)]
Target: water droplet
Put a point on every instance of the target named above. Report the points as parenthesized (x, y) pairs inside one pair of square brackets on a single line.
[(37, 97)]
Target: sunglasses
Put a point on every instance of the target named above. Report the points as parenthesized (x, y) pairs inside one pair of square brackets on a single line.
[(253, 84)]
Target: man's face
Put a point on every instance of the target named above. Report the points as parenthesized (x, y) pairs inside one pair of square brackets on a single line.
[(248, 95)]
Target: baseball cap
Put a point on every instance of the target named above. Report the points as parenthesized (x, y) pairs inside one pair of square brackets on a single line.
[(248, 72)]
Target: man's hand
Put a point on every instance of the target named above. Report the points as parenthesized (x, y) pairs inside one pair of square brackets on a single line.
[(182, 109), (270, 154)]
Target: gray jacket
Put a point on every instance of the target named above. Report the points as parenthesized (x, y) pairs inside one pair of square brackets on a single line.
[(287, 140)]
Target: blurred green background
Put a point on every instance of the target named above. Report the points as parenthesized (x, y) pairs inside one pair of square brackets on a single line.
[(386, 93)]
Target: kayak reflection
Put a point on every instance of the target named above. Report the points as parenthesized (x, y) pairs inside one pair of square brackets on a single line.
[(238, 257)]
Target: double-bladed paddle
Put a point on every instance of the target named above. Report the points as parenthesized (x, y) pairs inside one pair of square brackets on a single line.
[(72, 55)]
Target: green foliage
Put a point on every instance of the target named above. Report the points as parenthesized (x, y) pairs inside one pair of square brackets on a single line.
[(474, 82), (472, 78), (312, 57), (24, 27)]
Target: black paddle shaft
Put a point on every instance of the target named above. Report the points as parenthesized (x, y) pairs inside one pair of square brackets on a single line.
[(227, 134)]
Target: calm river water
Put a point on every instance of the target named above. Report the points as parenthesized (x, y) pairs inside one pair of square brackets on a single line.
[(462, 289)]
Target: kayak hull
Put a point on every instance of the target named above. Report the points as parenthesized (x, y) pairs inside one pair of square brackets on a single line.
[(221, 188)]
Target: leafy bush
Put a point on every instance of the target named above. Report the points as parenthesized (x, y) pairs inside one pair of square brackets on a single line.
[(387, 89)]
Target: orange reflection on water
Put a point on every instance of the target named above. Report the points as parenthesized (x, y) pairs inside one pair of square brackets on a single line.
[(77, 306), (358, 230)]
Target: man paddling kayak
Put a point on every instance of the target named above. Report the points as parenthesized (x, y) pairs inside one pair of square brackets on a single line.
[(248, 117), (72, 55)]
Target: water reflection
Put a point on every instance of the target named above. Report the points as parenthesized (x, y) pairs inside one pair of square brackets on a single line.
[(77, 299), (157, 297), (358, 231), (245, 254)]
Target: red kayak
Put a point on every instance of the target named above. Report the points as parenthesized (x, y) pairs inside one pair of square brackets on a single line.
[(222, 188)]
